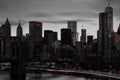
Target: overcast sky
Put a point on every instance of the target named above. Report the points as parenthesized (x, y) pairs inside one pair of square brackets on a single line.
[(55, 13)]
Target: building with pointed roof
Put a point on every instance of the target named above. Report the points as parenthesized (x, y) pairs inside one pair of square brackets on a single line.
[(19, 31)]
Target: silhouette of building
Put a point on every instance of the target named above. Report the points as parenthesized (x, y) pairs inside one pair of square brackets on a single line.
[(35, 29), (49, 36), (18, 56), (117, 38), (19, 31), (66, 36), (103, 35), (5, 29), (2, 47), (89, 39), (52, 37), (83, 37), (73, 26), (109, 10)]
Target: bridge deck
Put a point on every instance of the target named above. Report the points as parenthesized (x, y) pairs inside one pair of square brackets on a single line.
[(79, 72)]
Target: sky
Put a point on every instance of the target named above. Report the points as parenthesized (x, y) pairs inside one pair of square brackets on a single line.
[(55, 13)]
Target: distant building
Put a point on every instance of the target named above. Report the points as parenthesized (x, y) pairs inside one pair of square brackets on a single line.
[(35, 29), (19, 31), (5, 29), (109, 11), (66, 36), (49, 36), (83, 35), (117, 39), (103, 35), (73, 26), (89, 39), (52, 37), (111, 36)]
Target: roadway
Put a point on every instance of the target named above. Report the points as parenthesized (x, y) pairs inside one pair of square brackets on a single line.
[(104, 75)]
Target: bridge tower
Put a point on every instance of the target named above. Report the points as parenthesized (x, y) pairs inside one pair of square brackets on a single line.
[(18, 71)]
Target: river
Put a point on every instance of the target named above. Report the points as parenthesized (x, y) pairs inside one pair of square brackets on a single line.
[(42, 76)]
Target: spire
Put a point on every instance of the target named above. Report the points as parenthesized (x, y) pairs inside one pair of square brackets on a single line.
[(108, 3), (19, 25), (19, 30), (7, 21)]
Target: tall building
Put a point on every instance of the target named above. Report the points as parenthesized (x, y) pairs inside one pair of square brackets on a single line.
[(19, 31), (83, 35), (117, 38), (5, 29), (35, 29), (109, 10), (73, 26), (103, 34), (66, 36)]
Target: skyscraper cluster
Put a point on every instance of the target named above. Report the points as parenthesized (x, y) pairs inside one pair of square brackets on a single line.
[(93, 53)]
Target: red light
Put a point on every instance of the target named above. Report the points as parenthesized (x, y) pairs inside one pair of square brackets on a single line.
[(48, 55), (112, 30), (94, 79)]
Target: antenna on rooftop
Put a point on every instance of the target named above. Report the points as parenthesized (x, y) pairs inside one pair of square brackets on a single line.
[(108, 2)]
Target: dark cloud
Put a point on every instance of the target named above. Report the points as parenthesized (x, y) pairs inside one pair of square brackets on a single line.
[(41, 14), (79, 14), (67, 8), (65, 21), (54, 10)]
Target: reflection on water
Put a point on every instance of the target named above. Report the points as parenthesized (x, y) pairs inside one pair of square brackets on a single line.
[(4, 76), (47, 76), (43, 76)]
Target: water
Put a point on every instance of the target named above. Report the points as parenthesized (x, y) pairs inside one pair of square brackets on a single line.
[(47, 76), (43, 76)]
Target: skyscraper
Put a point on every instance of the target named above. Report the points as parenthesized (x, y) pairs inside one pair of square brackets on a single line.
[(83, 35), (35, 29), (103, 34), (73, 26), (66, 36), (5, 29), (109, 10), (19, 31)]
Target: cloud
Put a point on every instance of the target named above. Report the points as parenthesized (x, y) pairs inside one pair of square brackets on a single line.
[(41, 14), (79, 14), (65, 21), (14, 22)]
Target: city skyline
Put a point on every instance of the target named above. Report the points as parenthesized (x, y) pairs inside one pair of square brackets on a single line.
[(55, 17)]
